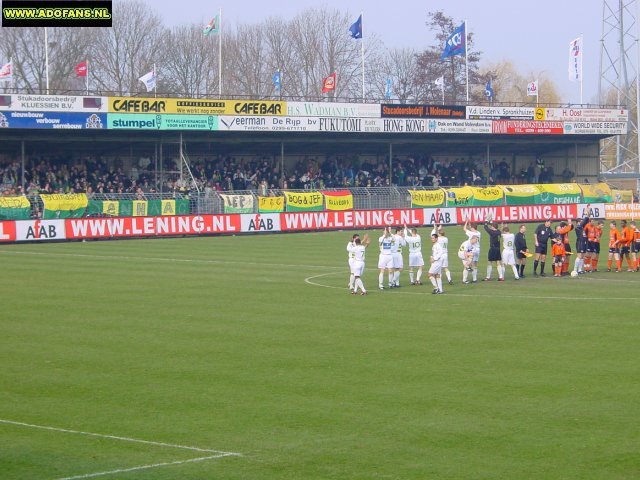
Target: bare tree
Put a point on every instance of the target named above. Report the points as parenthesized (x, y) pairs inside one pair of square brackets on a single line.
[(128, 50), (190, 62), (400, 66)]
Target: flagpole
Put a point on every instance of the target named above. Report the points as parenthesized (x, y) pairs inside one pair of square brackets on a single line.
[(581, 64), (46, 57), (87, 79), (362, 52), (442, 88), (537, 93), (155, 82), (466, 58), (220, 53)]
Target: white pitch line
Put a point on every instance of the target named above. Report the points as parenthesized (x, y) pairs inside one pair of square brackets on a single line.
[(165, 259), (116, 437), (144, 467), (448, 293)]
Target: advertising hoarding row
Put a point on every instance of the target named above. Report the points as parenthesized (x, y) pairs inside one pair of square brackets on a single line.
[(250, 123), (134, 227)]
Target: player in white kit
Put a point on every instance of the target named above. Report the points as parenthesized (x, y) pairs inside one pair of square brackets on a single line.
[(437, 254), (471, 231), (396, 251), (508, 252), (415, 254), (358, 263), (350, 245), (385, 259), (465, 253), (444, 241)]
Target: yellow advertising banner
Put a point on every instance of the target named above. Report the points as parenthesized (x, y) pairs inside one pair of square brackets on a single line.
[(14, 202), (338, 200), (270, 204), (111, 207), (191, 106), (520, 190), (621, 196), (297, 201), (168, 207), (622, 211), (487, 195), (595, 193), (459, 196), (427, 198), (140, 208), (70, 201), (560, 188)]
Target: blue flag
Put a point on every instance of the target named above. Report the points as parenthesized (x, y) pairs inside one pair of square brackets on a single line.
[(456, 44), (488, 90), (277, 80), (387, 92), (356, 28)]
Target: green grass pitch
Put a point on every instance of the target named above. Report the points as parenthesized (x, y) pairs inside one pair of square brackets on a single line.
[(253, 345)]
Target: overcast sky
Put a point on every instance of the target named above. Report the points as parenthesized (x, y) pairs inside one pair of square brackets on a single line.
[(535, 35)]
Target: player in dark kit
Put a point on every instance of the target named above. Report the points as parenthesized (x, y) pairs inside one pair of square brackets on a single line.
[(521, 250), (494, 251), (581, 244), (541, 237)]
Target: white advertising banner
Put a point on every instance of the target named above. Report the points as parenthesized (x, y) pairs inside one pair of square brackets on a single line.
[(583, 114), (40, 230), (595, 128), (323, 109), (459, 126), (53, 103), (500, 113)]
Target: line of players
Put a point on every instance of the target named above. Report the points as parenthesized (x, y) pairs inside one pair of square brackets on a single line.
[(624, 243)]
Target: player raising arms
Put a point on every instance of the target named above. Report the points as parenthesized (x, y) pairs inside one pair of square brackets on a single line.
[(465, 253), (494, 257), (358, 263), (415, 254), (385, 260), (508, 251), (614, 252), (581, 244), (541, 238), (350, 245)]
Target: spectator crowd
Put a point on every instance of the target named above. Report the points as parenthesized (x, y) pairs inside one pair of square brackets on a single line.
[(97, 175)]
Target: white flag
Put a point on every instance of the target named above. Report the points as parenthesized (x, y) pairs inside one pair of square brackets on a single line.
[(149, 80), (532, 89), (575, 60), (6, 72), (439, 82)]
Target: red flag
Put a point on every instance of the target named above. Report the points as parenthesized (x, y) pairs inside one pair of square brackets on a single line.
[(329, 83), (81, 69)]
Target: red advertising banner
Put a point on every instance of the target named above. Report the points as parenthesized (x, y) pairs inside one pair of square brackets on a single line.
[(122, 227), (529, 213), (293, 221), (525, 127), (8, 231)]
